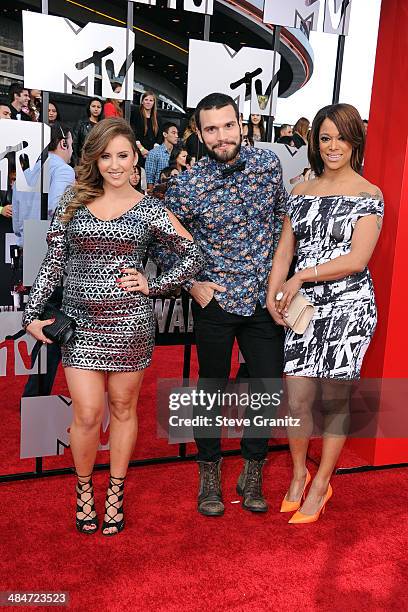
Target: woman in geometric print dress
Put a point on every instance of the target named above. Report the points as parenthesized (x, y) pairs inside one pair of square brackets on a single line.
[(332, 225), (100, 234)]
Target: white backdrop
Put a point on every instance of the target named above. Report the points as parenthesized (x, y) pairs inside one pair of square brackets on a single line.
[(54, 47), (217, 67)]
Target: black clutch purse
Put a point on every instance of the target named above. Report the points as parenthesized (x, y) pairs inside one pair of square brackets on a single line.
[(63, 328)]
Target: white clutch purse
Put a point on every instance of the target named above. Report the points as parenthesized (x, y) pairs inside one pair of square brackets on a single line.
[(300, 313)]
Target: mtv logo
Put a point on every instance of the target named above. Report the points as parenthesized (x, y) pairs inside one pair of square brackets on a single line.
[(18, 351), (337, 16), (17, 139), (78, 55), (247, 73), (293, 161), (204, 7), (304, 14), (45, 423), (292, 13)]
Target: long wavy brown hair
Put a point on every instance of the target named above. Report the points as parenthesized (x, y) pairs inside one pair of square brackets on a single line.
[(302, 127), (89, 183), (153, 113)]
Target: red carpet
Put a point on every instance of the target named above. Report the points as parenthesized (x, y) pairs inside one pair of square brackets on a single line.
[(170, 558)]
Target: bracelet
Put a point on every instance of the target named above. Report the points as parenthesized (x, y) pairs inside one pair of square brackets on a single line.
[(315, 271), (1, 209)]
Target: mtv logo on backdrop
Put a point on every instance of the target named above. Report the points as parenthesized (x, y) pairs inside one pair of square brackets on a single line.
[(45, 422), (60, 55), (18, 139), (337, 16), (294, 161), (19, 351), (247, 73), (304, 14), (204, 7)]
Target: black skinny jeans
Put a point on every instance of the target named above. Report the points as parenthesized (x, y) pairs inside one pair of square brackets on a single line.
[(260, 340)]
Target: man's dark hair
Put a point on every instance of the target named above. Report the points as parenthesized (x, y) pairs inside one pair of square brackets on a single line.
[(16, 89), (214, 100), (59, 131), (168, 125), (283, 127), (4, 102)]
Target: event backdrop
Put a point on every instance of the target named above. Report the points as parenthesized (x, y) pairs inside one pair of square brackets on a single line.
[(18, 139), (305, 14), (78, 55), (247, 72)]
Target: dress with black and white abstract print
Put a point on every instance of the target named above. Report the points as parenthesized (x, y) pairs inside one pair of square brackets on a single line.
[(345, 317)]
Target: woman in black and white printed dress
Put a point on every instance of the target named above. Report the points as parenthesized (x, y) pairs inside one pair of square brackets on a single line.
[(334, 344), (332, 224)]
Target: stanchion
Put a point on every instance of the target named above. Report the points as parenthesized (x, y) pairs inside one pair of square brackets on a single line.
[(186, 381)]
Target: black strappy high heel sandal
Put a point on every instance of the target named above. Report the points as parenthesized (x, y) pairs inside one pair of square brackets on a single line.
[(114, 500), (85, 506)]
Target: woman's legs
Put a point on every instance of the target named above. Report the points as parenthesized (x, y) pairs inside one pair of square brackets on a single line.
[(335, 402), (123, 393), (301, 395), (87, 391)]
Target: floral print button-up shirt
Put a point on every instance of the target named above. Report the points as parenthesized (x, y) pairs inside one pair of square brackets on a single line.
[(236, 221)]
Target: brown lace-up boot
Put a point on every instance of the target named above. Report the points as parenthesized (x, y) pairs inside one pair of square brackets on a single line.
[(250, 486), (209, 494)]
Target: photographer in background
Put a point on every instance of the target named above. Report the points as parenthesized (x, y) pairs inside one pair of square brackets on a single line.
[(61, 176)]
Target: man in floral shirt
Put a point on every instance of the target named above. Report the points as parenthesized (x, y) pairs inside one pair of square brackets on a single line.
[(233, 203)]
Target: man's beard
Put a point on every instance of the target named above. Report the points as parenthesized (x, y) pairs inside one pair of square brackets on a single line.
[(224, 156)]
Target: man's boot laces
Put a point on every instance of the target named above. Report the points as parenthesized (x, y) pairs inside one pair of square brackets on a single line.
[(254, 479), (211, 477)]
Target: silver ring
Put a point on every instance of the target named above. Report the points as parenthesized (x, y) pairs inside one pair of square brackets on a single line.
[(279, 296)]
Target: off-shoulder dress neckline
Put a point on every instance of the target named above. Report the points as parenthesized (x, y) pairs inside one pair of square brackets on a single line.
[(348, 197)]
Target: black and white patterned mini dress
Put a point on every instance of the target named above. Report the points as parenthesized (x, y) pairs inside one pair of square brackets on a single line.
[(115, 328), (334, 344)]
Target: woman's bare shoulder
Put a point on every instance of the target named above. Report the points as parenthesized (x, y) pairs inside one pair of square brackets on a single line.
[(369, 190), (303, 188)]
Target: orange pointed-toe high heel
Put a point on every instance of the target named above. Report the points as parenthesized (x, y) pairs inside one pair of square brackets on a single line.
[(300, 517), (291, 506)]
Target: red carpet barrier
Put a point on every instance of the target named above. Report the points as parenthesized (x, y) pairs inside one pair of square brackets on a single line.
[(387, 166)]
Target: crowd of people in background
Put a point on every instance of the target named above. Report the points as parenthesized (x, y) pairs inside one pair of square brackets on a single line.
[(163, 151)]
